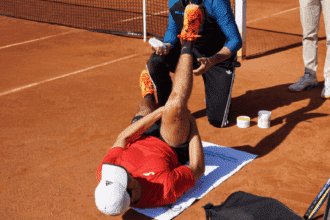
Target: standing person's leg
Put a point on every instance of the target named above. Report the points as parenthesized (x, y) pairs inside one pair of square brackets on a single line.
[(310, 11), (218, 83), (326, 15)]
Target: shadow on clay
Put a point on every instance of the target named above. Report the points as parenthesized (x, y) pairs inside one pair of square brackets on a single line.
[(270, 99), (319, 217), (264, 42)]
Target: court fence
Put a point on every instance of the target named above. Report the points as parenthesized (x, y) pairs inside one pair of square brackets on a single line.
[(139, 18)]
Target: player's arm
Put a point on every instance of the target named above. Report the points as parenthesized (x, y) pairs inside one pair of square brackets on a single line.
[(135, 130), (196, 153)]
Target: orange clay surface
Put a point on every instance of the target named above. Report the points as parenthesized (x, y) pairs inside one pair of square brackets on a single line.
[(64, 99)]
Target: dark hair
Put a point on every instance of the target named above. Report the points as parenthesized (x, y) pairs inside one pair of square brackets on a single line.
[(129, 192), (129, 177)]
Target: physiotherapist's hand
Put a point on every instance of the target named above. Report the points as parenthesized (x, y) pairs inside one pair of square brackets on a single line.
[(205, 65), (163, 50)]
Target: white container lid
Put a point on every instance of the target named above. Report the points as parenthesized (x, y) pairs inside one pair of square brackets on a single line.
[(243, 121)]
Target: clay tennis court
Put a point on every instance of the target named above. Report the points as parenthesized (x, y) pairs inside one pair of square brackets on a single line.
[(67, 93)]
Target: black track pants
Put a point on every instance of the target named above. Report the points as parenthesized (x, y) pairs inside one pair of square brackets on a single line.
[(218, 81)]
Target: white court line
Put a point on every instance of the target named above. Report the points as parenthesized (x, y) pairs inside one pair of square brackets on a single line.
[(141, 17), (272, 15), (34, 84), (131, 20), (163, 12), (11, 45), (69, 74)]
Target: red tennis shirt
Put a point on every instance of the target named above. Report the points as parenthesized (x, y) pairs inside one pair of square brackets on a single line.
[(155, 165)]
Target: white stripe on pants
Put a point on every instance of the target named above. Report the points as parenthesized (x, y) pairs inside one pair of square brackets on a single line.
[(310, 11)]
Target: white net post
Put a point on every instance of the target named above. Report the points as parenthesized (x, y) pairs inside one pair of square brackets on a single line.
[(144, 21), (240, 17)]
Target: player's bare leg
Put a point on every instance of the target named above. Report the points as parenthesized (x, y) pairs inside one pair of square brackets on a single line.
[(175, 127), (148, 104)]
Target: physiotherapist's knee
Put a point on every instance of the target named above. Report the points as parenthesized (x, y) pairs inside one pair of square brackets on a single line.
[(216, 123), (155, 62), (215, 120)]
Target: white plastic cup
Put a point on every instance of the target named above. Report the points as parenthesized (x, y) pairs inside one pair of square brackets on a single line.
[(243, 121), (264, 119)]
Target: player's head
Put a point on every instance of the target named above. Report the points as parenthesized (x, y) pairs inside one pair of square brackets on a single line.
[(111, 195)]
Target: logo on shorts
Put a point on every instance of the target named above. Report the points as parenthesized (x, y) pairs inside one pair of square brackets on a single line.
[(148, 174), (229, 72)]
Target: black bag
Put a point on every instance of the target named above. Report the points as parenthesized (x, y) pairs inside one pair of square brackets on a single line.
[(327, 209), (245, 206)]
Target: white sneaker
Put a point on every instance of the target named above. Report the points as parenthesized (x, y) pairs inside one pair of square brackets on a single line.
[(326, 90), (305, 82)]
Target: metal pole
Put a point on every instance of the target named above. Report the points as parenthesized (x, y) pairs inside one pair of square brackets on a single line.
[(240, 17), (144, 21)]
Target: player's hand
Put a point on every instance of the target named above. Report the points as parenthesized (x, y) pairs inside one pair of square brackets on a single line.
[(163, 50), (205, 65)]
